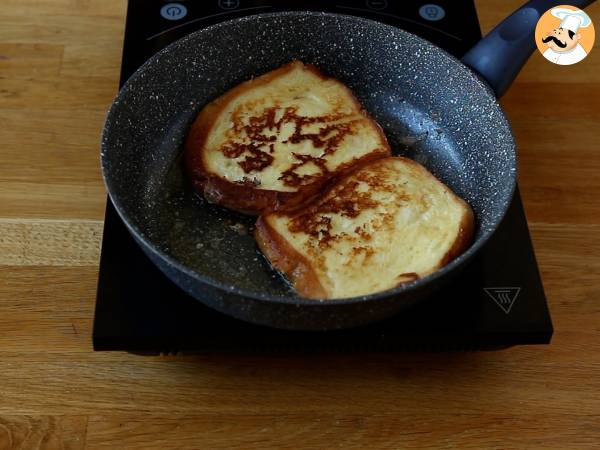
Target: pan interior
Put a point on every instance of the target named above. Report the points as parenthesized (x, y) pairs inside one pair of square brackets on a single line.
[(431, 107)]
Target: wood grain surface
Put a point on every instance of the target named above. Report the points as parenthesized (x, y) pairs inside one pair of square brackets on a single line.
[(59, 68)]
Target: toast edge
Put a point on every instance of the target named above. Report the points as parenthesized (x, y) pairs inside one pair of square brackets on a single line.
[(244, 198), (465, 234), (286, 259), (466, 228)]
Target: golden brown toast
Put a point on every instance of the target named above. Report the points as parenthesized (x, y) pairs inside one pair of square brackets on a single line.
[(386, 223), (276, 140)]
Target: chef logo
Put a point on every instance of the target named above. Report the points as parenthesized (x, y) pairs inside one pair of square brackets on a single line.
[(564, 35)]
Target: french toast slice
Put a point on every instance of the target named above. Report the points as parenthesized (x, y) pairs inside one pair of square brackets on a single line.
[(275, 141), (386, 223)]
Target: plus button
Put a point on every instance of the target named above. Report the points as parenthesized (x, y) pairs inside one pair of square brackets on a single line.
[(229, 4)]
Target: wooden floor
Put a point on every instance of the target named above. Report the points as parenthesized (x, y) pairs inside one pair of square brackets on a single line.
[(59, 66)]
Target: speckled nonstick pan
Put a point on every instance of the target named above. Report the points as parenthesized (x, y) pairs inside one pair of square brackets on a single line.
[(432, 107)]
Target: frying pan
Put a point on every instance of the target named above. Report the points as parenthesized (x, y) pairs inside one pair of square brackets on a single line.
[(434, 108)]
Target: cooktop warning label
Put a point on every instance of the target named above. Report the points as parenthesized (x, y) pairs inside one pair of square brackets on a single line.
[(503, 296)]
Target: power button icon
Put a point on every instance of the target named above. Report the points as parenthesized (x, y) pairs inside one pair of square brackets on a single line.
[(173, 11), (432, 12)]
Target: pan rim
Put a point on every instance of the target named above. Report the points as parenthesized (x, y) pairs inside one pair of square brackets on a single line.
[(143, 240)]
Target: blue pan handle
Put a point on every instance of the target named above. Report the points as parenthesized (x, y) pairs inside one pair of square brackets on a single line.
[(499, 56)]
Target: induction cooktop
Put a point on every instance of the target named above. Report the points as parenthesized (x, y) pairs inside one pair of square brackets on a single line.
[(496, 302)]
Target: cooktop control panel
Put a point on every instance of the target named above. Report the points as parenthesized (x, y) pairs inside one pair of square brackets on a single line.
[(153, 24)]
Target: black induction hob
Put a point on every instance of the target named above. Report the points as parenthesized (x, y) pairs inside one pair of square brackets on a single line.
[(496, 302)]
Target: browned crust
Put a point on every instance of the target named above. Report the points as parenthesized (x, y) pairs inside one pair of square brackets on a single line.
[(245, 198), (348, 171), (288, 260)]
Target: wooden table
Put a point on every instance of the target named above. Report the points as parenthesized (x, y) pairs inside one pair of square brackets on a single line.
[(59, 67)]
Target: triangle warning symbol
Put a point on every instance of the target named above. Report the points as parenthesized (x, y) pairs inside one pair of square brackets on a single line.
[(503, 296)]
